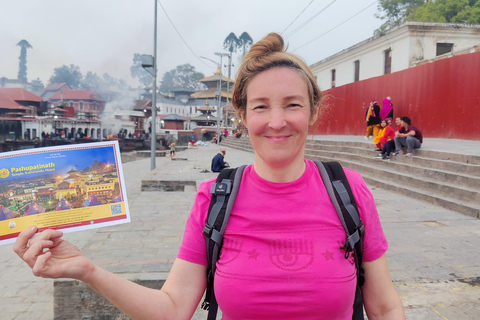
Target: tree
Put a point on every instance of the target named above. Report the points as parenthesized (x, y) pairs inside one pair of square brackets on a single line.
[(183, 76), (395, 12), (70, 75), (22, 67), (92, 81), (245, 41), (462, 11), (137, 71), (231, 43)]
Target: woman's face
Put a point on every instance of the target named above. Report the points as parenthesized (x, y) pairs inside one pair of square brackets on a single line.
[(398, 121), (383, 123), (278, 116)]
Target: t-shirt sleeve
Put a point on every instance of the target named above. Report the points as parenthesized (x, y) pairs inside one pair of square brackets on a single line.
[(374, 243), (193, 247)]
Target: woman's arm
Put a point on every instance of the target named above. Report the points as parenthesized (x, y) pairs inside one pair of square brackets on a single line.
[(380, 298), (50, 256)]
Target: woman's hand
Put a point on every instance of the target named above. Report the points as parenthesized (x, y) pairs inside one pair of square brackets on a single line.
[(50, 256)]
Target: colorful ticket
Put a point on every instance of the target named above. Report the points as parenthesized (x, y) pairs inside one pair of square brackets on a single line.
[(74, 187)]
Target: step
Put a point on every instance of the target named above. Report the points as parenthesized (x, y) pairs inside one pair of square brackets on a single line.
[(410, 166), (422, 152), (409, 187), (461, 176)]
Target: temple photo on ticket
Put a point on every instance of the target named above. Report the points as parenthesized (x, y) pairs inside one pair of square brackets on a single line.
[(70, 188)]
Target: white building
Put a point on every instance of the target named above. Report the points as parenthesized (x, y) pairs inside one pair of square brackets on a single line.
[(395, 50)]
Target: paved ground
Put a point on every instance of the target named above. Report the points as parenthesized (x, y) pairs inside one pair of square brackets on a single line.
[(434, 253)]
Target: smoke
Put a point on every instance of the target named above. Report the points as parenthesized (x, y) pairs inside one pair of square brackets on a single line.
[(115, 116)]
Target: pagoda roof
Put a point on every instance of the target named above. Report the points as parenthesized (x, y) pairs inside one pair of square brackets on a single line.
[(173, 117), (204, 117), (76, 95), (216, 77), (206, 107), (210, 93)]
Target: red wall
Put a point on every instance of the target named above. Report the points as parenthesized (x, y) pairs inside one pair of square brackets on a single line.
[(442, 98)]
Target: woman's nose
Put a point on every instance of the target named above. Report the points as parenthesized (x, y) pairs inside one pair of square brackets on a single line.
[(277, 119)]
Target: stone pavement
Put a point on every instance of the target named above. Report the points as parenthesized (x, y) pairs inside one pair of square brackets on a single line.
[(434, 253)]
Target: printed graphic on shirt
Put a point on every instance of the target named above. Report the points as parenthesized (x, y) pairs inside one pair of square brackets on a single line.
[(291, 254)]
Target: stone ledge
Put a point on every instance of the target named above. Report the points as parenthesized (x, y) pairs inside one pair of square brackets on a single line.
[(75, 300)]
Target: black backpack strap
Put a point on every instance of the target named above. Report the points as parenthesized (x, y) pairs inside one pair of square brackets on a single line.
[(341, 195), (224, 192)]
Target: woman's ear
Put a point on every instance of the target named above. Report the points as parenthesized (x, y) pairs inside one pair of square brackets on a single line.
[(314, 116), (244, 120)]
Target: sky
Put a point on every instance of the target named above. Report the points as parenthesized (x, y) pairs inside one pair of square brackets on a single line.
[(102, 36)]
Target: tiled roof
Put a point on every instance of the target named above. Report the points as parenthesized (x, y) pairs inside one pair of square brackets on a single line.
[(76, 95), (19, 94), (173, 117), (142, 104), (210, 93), (56, 86)]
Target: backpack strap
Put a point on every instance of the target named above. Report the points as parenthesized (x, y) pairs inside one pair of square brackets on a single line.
[(224, 191), (341, 195)]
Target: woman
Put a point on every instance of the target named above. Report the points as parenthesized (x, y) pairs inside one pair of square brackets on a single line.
[(385, 134), (387, 110), (390, 144), (281, 251)]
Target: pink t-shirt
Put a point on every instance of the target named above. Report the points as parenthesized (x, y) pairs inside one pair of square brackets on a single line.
[(281, 257)]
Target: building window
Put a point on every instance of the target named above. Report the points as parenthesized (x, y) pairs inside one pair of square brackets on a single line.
[(443, 48), (356, 75), (71, 104), (81, 105), (388, 61), (333, 77), (94, 106)]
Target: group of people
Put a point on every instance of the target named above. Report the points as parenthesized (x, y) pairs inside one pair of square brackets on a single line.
[(405, 135), (374, 115), (283, 255)]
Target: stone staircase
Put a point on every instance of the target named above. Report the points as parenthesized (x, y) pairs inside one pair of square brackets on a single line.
[(445, 179)]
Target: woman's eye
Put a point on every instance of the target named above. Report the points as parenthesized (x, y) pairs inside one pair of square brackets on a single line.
[(259, 107), (294, 105)]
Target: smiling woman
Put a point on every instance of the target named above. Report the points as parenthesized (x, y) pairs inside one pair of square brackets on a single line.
[(282, 248)]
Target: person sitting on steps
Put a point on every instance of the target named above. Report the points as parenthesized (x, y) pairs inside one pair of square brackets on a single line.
[(390, 144), (408, 136)]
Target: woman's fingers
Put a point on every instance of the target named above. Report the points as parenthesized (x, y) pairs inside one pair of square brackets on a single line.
[(21, 245), (39, 269)]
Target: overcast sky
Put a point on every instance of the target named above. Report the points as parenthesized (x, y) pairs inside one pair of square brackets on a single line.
[(102, 35)]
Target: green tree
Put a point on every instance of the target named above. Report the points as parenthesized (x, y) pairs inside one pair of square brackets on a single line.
[(22, 67), (184, 76), (231, 43), (68, 74), (245, 42), (395, 12), (92, 81), (137, 71), (462, 11)]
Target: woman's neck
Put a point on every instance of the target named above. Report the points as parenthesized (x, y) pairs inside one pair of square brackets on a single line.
[(288, 173)]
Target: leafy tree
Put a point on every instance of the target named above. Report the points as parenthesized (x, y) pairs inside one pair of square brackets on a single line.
[(137, 71), (92, 81), (231, 43), (245, 41), (71, 75), (462, 11), (183, 76), (395, 12), (22, 67)]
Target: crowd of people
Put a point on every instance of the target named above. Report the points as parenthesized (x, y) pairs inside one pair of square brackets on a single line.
[(386, 139)]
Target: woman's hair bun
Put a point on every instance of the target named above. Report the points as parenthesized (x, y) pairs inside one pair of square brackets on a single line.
[(272, 43)]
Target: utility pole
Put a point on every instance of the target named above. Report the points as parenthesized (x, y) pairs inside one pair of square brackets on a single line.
[(228, 83), (154, 95), (219, 96), (219, 113)]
